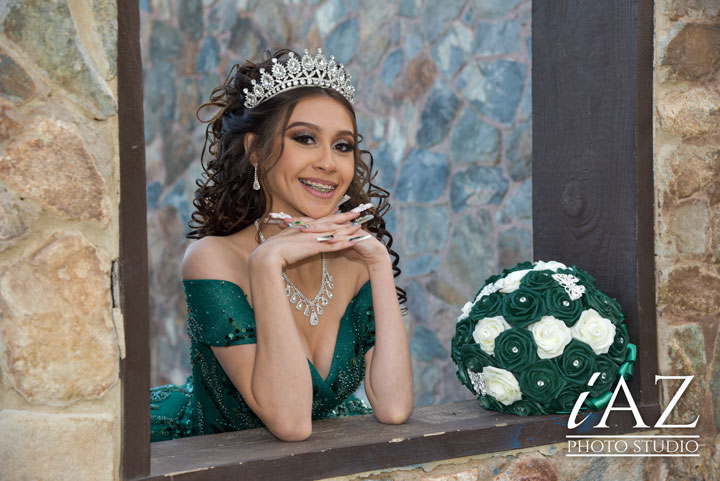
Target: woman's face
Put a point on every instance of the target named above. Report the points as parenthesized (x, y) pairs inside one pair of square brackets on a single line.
[(317, 164)]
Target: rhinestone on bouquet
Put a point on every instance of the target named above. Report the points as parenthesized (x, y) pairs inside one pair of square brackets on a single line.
[(309, 71), (478, 381)]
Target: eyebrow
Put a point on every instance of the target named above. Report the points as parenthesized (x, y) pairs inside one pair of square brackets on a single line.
[(315, 127)]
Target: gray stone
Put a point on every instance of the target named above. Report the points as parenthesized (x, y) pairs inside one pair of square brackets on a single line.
[(478, 185), (474, 140), (209, 56), (471, 254), (372, 14), (419, 266), (46, 31), (190, 17), (436, 15), (493, 8), (437, 116), (715, 382), (391, 67), (514, 246), (416, 302), (409, 8), (153, 191), (106, 28), (15, 219), (328, 15), (518, 207), (425, 345), (188, 100), (343, 40), (391, 222), (385, 166), (160, 97), (498, 38), (373, 49), (15, 84), (430, 383), (209, 81), (424, 228), (494, 87), (413, 40), (179, 152), (245, 41), (222, 17), (423, 176), (453, 49), (518, 152), (468, 17), (526, 102), (275, 21), (165, 42)]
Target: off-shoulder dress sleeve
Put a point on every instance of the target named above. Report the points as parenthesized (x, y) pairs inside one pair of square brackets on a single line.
[(219, 313)]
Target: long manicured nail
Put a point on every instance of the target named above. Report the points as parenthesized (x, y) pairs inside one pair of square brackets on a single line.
[(363, 219), (360, 238), (362, 207), (275, 221), (344, 199), (324, 238), (298, 224), (279, 215)]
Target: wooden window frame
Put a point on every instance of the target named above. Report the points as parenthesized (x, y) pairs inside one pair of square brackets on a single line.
[(592, 205)]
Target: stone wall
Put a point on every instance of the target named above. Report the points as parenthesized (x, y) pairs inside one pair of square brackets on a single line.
[(443, 99), (59, 344), (687, 253)]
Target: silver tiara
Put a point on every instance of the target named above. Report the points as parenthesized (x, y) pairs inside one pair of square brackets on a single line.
[(310, 71)]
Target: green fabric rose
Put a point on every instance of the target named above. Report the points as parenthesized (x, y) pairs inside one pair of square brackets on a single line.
[(489, 402), (560, 306), (608, 375), (526, 407), (515, 349), (585, 279), (488, 306), (577, 363), (565, 401), (475, 359), (605, 305), (463, 335), (538, 280), (618, 349), (541, 382), (522, 307)]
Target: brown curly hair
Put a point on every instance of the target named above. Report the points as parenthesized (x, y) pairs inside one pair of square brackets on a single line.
[(224, 199)]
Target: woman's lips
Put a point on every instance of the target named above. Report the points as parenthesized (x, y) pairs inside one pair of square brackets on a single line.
[(322, 195)]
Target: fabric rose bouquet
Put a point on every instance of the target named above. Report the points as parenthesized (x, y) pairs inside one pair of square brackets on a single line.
[(532, 338)]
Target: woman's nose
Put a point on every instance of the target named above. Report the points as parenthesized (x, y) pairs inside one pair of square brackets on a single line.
[(325, 160)]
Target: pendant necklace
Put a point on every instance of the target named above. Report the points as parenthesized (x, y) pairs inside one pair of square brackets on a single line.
[(311, 308)]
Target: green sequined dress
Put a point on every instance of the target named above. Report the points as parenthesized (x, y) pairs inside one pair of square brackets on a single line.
[(220, 315)]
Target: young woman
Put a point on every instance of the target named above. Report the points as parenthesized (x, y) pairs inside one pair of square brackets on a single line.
[(285, 210)]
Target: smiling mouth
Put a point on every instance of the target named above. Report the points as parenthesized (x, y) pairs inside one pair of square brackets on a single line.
[(322, 188)]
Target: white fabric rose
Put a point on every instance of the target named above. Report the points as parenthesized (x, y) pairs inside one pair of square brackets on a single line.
[(551, 265), (512, 281), (465, 311), (487, 329), (595, 331), (551, 336), (501, 385)]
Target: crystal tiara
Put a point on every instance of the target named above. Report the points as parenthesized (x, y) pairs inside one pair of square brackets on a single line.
[(310, 71)]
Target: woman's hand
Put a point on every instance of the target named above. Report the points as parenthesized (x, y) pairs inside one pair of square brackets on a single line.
[(293, 244)]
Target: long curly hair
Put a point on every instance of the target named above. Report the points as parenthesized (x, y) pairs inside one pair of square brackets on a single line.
[(225, 201)]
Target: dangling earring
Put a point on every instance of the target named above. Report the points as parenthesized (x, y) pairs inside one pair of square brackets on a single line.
[(256, 184)]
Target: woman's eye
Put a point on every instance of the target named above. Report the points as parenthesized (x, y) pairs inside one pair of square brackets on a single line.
[(306, 139), (344, 146)]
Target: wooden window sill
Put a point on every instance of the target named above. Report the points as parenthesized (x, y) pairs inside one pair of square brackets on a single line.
[(359, 443)]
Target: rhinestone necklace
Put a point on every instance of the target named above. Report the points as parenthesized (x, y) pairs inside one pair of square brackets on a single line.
[(312, 308)]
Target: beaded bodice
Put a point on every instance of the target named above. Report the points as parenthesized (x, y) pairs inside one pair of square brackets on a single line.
[(219, 315)]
